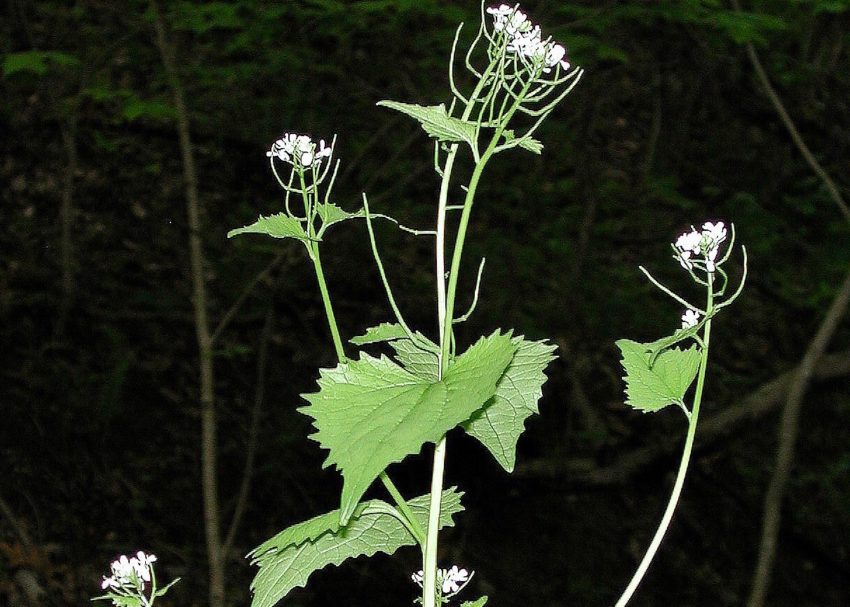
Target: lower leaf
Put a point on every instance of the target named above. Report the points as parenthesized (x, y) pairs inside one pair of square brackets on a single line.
[(288, 559)]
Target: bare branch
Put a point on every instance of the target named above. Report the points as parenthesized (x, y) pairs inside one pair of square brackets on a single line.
[(787, 440), (243, 297), (792, 128)]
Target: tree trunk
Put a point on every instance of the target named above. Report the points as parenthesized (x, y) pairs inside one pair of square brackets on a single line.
[(212, 525)]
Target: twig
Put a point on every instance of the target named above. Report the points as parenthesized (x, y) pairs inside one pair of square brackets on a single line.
[(792, 128), (787, 440), (246, 292), (253, 431)]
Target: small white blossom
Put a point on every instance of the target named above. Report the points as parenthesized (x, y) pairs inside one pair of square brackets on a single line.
[(705, 243), (451, 581), (142, 564), (299, 150), (130, 572), (690, 319), (712, 235), (454, 579), (509, 19), (526, 40)]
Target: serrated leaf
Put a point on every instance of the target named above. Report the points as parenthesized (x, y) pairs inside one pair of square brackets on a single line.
[(386, 331), (653, 387), (659, 345), (527, 143), (436, 121), (279, 225), (499, 424), (480, 602), (371, 412), (288, 559), (331, 214), (531, 144)]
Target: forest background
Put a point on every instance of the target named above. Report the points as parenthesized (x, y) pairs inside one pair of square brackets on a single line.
[(134, 138)]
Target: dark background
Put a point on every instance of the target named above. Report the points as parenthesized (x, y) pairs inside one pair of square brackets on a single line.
[(99, 437)]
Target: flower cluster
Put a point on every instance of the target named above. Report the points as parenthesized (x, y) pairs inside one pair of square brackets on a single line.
[(299, 150), (705, 243), (526, 39), (451, 581), (132, 572)]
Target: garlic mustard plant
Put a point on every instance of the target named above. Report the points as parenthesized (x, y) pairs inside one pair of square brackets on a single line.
[(659, 373), (371, 411), (132, 582)]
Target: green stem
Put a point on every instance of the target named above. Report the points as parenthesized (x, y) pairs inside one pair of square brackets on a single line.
[(445, 308), (313, 249), (326, 299), (429, 583), (419, 533), (683, 464), (340, 353)]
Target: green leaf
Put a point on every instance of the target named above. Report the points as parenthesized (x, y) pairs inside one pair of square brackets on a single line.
[(120, 600), (531, 144), (279, 225), (288, 559), (436, 121), (527, 143), (423, 363), (331, 214), (37, 62), (476, 603), (500, 423), (654, 348), (386, 331), (371, 412), (653, 387), (167, 587)]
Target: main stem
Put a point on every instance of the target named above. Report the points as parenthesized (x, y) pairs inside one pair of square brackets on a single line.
[(445, 314), (683, 465)]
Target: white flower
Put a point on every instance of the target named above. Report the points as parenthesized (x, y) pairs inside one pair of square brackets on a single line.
[(122, 569), (299, 150), (130, 571), (690, 319), (712, 235), (705, 243), (509, 19), (526, 40), (142, 565), (715, 231), (109, 582), (555, 55), (451, 581)]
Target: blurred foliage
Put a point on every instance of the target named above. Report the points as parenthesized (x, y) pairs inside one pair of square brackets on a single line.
[(668, 127)]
